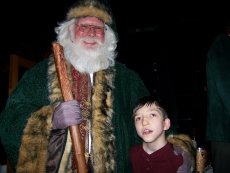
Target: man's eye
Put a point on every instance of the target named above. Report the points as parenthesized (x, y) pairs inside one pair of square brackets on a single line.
[(83, 27), (98, 28)]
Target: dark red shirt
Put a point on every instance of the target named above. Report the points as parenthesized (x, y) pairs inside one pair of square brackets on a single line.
[(163, 160)]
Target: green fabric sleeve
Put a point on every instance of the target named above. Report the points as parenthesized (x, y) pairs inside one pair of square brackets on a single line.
[(29, 95)]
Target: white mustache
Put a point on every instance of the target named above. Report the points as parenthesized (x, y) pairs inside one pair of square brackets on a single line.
[(90, 39)]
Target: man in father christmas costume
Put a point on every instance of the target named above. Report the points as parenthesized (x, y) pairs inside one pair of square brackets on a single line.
[(34, 124)]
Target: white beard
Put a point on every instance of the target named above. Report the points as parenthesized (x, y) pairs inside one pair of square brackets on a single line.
[(87, 60)]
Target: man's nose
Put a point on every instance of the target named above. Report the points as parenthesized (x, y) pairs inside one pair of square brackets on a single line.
[(91, 32)]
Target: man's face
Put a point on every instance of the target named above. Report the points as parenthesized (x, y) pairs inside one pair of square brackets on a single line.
[(89, 32)]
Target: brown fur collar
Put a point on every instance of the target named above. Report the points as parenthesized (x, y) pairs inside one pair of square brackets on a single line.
[(185, 143), (33, 151)]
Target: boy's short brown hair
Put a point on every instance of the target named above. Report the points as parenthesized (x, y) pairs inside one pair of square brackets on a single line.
[(148, 101)]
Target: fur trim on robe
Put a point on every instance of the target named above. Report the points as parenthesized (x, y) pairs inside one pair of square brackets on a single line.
[(34, 147), (184, 143)]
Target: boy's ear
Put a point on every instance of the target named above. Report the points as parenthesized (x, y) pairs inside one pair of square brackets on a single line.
[(167, 124)]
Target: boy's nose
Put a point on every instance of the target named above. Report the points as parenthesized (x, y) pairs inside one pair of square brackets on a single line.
[(145, 121)]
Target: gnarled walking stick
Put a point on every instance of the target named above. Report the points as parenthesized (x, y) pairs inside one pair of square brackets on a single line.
[(78, 148)]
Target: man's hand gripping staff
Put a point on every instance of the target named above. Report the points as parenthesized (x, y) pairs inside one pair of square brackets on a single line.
[(78, 148)]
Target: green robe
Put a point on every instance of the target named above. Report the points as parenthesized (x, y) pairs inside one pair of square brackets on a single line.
[(28, 113), (218, 87)]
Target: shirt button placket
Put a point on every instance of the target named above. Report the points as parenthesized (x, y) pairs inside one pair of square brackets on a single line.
[(148, 163)]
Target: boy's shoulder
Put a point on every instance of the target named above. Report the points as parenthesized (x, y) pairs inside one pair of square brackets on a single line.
[(134, 152), (136, 148)]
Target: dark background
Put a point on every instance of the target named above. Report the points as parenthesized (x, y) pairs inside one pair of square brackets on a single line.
[(166, 42)]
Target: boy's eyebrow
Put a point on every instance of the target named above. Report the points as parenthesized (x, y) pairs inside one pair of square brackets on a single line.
[(156, 109), (151, 109), (135, 114)]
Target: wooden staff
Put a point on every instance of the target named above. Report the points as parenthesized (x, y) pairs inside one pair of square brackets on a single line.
[(78, 148)]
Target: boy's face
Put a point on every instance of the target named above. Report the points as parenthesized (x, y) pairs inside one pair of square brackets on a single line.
[(150, 124)]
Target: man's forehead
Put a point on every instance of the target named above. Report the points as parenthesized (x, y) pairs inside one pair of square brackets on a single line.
[(91, 21)]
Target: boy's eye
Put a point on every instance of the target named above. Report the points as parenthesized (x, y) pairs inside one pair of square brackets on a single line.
[(137, 118), (153, 114)]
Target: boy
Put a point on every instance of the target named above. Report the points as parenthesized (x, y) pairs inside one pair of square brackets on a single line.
[(157, 153)]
